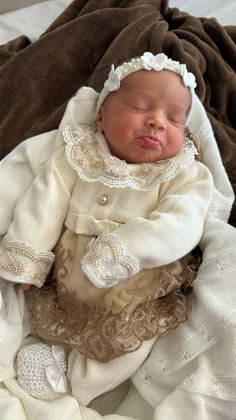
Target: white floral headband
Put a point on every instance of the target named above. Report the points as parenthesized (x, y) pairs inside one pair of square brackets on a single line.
[(147, 61)]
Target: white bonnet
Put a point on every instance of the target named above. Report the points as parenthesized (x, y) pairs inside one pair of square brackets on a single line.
[(147, 61)]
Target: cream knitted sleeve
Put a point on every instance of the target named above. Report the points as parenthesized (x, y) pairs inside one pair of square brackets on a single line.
[(17, 171), (172, 230), (25, 251)]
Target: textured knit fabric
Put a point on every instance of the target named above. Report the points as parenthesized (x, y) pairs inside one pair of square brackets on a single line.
[(145, 205), (195, 348), (142, 206)]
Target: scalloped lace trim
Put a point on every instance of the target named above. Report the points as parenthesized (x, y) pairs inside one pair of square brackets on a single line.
[(24, 263), (93, 164), (108, 262)]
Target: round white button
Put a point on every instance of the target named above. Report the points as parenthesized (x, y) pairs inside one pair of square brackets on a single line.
[(102, 199)]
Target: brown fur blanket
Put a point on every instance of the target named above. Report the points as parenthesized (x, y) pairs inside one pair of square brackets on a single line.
[(37, 80)]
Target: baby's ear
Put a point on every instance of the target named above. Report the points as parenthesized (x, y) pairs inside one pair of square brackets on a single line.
[(99, 120)]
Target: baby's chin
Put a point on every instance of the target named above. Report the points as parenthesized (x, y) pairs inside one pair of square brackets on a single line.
[(147, 156)]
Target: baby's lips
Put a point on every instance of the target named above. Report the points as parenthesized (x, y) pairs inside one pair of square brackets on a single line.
[(151, 142)]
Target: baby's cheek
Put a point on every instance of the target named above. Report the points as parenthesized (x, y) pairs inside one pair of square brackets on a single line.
[(175, 146)]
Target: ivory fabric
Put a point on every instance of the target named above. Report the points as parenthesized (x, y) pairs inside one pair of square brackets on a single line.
[(191, 350), (57, 196), (180, 188), (198, 375), (196, 343), (55, 69), (202, 351)]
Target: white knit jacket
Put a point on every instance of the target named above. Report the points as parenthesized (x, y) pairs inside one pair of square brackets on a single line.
[(153, 214)]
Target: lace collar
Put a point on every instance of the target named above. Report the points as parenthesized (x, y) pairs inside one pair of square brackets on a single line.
[(88, 155)]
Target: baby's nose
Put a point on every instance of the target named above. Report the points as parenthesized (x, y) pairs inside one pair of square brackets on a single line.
[(156, 120)]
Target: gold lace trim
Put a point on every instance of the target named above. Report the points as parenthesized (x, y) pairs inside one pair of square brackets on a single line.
[(93, 164), (58, 316), (196, 141), (24, 263)]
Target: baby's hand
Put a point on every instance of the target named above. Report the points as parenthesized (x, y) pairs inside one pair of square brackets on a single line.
[(25, 286)]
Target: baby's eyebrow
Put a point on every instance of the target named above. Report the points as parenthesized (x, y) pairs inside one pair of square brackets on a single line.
[(138, 94), (178, 107)]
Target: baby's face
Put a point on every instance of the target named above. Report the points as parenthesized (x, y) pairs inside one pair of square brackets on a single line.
[(144, 120)]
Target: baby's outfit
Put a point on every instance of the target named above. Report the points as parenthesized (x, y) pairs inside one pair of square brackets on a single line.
[(109, 243)]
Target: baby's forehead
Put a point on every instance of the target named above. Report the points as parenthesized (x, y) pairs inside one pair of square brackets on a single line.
[(154, 82), (141, 77)]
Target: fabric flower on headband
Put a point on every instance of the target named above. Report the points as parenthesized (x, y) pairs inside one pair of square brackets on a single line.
[(189, 80), (154, 62), (113, 81), (161, 61)]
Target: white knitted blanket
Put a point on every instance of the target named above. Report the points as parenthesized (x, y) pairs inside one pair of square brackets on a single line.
[(191, 372)]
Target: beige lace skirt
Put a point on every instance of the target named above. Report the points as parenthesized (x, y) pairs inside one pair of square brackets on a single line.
[(107, 323)]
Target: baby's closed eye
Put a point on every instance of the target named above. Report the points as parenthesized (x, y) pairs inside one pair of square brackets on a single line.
[(177, 118), (138, 107)]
